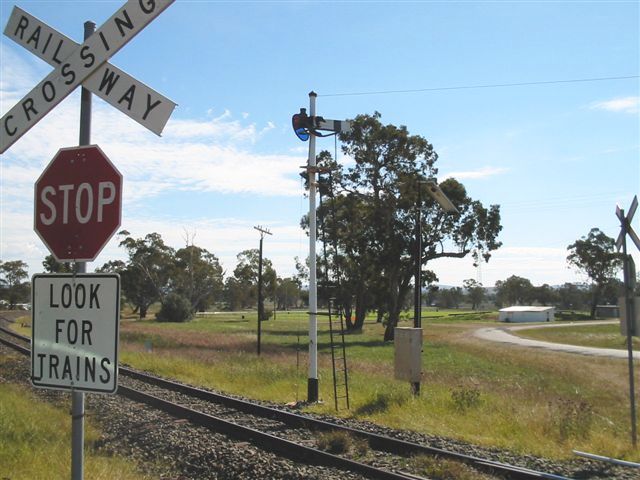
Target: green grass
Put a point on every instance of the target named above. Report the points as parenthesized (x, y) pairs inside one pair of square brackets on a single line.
[(600, 336), (524, 400), (35, 441), (479, 392)]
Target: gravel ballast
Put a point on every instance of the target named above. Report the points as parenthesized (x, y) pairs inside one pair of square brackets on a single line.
[(167, 448)]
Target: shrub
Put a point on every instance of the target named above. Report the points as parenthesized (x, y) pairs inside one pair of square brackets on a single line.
[(335, 441), (445, 469), (464, 398), (570, 418), (267, 313), (175, 308)]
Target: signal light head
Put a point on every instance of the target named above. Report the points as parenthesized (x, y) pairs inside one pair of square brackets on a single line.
[(300, 123)]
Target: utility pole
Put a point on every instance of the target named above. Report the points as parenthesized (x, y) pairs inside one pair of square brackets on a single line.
[(445, 203), (262, 231)]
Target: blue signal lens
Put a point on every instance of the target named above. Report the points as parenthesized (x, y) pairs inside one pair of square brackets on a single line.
[(302, 134)]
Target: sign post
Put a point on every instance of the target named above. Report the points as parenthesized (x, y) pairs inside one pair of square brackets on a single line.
[(629, 303), (78, 202)]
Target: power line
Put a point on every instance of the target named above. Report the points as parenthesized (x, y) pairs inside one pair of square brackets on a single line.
[(490, 85)]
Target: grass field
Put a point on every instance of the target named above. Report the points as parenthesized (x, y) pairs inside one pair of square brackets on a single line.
[(35, 441), (600, 336), (529, 401)]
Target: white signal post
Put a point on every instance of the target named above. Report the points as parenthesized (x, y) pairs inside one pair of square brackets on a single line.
[(312, 384), (336, 126)]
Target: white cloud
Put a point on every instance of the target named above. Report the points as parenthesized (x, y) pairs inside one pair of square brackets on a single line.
[(481, 173), (214, 154), (621, 105), (538, 264)]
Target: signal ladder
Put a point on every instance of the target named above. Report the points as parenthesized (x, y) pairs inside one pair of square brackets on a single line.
[(336, 325), (338, 356)]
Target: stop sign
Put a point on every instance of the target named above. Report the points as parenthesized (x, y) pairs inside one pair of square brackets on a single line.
[(78, 203)]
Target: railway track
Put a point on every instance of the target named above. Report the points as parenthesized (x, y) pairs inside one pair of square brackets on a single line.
[(280, 431)]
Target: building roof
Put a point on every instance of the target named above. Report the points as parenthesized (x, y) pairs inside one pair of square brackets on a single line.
[(526, 309)]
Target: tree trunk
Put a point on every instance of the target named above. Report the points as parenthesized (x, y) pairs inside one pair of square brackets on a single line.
[(143, 311), (347, 317), (594, 300), (399, 289), (361, 312)]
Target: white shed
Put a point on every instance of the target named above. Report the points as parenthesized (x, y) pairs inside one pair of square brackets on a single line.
[(527, 314)]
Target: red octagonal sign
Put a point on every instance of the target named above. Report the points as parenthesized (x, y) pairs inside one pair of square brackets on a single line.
[(78, 203)]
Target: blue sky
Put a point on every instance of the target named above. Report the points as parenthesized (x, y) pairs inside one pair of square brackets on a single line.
[(557, 157)]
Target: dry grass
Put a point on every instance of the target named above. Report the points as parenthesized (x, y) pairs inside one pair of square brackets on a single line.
[(526, 400), (35, 442)]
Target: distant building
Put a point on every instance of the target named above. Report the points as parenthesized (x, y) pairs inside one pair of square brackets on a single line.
[(607, 311), (527, 314)]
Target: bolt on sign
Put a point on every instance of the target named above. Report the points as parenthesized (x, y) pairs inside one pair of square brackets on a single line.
[(74, 335), (85, 64)]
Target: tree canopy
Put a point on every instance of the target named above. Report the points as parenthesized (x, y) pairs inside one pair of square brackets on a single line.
[(12, 285), (369, 217), (595, 256)]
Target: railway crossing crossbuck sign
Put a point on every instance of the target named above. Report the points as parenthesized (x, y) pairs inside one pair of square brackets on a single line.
[(85, 64)]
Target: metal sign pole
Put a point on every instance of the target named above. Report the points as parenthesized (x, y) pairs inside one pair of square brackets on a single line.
[(630, 317), (260, 293), (77, 398), (417, 319)]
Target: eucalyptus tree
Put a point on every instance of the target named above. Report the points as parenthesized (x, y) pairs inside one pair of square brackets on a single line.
[(51, 265), (370, 216), (245, 277), (198, 276), (514, 290), (148, 275), (595, 255), (13, 288), (475, 292)]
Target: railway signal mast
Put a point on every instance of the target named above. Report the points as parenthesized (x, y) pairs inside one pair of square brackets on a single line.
[(307, 128)]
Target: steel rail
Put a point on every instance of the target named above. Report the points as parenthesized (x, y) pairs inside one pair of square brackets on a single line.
[(376, 441), (265, 441), (280, 446)]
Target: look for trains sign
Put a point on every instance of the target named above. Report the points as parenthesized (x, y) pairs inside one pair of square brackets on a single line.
[(84, 64), (74, 342)]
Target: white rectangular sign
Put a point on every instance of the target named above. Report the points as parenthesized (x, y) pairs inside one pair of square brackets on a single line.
[(74, 332), (126, 23), (133, 98), (339, 126)]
